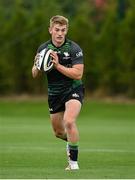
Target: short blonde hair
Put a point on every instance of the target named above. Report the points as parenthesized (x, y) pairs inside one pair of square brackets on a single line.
[(59, 20)]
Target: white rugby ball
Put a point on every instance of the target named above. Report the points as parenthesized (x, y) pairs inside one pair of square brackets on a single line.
[(47, 61), (44, 60)]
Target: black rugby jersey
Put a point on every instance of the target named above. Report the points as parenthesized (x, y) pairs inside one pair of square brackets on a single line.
[(69, 54)]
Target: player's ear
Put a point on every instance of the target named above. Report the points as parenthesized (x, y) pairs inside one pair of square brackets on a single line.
[(66, 31), (50, 30)]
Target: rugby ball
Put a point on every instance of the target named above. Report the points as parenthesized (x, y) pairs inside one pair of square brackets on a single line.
[(44, 61), (47, 61)]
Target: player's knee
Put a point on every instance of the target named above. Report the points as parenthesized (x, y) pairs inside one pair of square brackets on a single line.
[(69, 124)]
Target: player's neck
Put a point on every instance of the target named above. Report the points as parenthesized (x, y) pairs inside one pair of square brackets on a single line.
[(58, 44)]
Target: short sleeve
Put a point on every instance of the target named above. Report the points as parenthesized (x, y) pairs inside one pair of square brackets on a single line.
[(76, 54), (43, 46)]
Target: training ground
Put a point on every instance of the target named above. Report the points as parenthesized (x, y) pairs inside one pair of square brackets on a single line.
[(29, 150)]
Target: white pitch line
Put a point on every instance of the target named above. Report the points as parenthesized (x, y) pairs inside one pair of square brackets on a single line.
[(108, 150), (44, 149)]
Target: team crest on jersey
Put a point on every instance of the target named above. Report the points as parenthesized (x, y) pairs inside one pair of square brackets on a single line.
[(66, 55)]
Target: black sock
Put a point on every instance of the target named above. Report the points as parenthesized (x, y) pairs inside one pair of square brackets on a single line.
[(73, 150)]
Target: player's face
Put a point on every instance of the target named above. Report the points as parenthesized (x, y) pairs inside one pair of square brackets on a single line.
[(58, 33)]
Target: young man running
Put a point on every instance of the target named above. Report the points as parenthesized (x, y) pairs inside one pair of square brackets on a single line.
[(65, 88)]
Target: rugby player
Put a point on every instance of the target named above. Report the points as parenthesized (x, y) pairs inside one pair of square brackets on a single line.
[(65, 87)]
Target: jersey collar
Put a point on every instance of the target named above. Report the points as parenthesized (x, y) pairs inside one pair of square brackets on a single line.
[(61, 45)]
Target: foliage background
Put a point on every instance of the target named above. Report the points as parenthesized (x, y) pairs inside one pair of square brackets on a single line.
[(105, 33)]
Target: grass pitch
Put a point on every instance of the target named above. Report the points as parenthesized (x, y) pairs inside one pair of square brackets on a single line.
[(29, 150)]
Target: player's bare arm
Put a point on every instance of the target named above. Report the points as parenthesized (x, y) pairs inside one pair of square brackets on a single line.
[(74, 72), (35, 72)]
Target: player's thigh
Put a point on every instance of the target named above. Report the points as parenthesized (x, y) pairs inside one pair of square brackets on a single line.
[(72, 110), (57, 121)]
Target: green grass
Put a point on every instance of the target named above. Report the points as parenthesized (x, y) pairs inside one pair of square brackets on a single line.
[(28, 148)]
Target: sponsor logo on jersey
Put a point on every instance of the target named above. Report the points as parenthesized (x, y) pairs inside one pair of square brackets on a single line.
[(50, 109), (79, 54), (75, 95)]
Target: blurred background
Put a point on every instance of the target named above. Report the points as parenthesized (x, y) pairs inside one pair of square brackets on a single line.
[(105, 30)]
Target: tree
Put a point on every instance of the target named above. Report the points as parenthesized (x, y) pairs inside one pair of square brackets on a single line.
[(127, 52)]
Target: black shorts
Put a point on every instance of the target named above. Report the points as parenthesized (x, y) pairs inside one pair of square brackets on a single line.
[(57, 103)]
